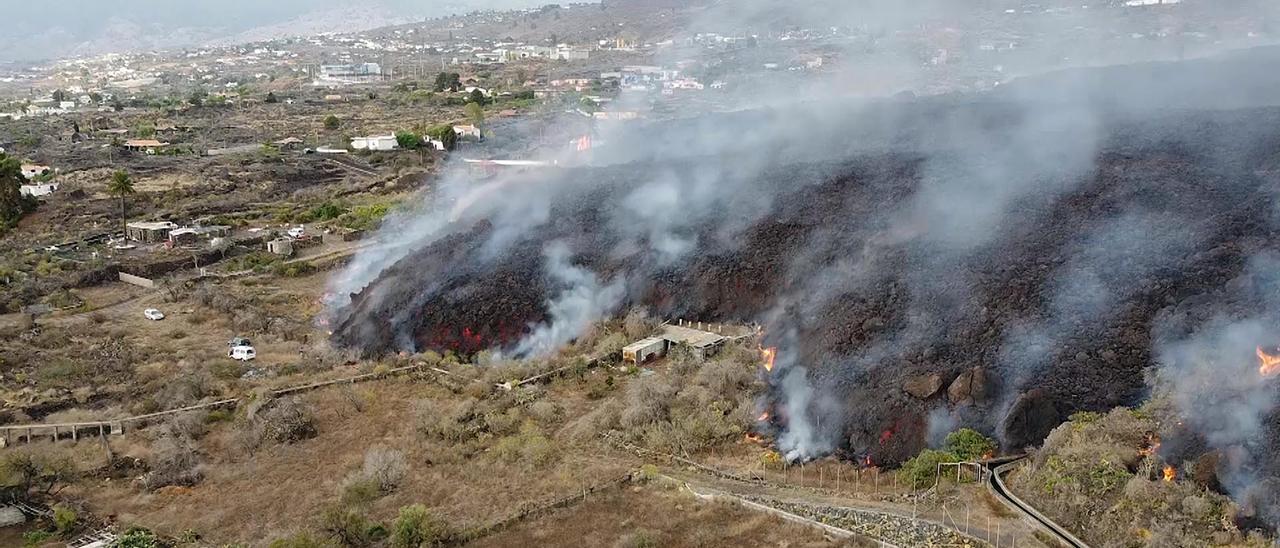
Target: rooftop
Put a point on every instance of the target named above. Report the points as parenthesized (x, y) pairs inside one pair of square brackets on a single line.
[(692, 337), (152, 225)]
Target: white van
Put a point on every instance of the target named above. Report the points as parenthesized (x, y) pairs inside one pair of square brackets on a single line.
[(242, 353)]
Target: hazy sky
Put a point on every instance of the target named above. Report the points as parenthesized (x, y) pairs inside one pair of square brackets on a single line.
[(54, 29)]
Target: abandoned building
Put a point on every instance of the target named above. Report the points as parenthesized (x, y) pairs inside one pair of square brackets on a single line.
[(281, 246), (149, 232), (702, 343), (193, 234)]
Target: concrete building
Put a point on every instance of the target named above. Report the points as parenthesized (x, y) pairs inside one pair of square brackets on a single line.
[(378, 142), (31, 171), (149, 232), (144, 145), (192, 235), (467, 131), (38, 190), (701, 343), (281, 246), (358, 73), (644, 350)]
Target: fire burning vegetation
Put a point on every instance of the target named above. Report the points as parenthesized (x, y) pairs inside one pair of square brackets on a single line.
[(1269, 362)]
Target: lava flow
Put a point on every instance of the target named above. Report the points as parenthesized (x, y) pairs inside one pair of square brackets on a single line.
[(1269, 363)]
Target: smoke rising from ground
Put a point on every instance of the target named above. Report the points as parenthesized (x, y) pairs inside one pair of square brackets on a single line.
[(583, 302), (1029, 233)]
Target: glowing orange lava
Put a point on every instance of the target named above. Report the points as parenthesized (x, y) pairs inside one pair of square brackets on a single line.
[(769, 355), (1170, 473), (1269, 363)]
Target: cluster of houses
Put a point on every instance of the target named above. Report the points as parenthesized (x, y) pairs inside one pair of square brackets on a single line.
[(170, 233), (389, 142)]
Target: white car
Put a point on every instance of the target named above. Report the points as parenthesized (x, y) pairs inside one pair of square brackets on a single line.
[(242, 353), (153, 314), (297, 232)]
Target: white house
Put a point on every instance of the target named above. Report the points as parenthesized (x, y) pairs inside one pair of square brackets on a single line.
[(31, 171), (378, 142), (467, 131), (38, 190)]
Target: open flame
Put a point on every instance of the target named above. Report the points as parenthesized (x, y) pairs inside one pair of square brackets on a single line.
[(1151, 444), (1269, 364), (763, 417), (1170, 473), (769, 354), (751, 437)]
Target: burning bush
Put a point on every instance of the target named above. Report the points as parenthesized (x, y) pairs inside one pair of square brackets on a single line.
[(1100, 475)]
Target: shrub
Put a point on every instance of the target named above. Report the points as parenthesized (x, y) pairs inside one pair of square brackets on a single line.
[(37, 538), (348, 526), (358, 490), (287, 420), (921, 471), (137, 537), (332, 122), (969, 444), (300, 540), (64, 519), (385, 466), (174, 461), (647, 401), (416, 526)]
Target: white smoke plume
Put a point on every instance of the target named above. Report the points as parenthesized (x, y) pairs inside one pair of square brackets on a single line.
[(572, 312)]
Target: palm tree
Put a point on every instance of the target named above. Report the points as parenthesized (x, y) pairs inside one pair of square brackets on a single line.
[(121, 185)]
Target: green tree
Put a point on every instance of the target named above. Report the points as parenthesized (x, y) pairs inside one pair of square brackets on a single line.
[(197, 96), (13, 205), (477, 97), (969, 444), (121, 185), (451, 81), (271, 98), (332, 122), (921, 471), (36, 473), (408, 140), (416, 526), (475, 113), (59, 95), (444, 134)]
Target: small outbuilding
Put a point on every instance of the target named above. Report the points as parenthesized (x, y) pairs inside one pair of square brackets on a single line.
[(644, 350), (281, 246), (149, 232), (377, 142)]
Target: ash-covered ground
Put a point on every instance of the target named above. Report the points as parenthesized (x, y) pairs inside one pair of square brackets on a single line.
[(998, 261)]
